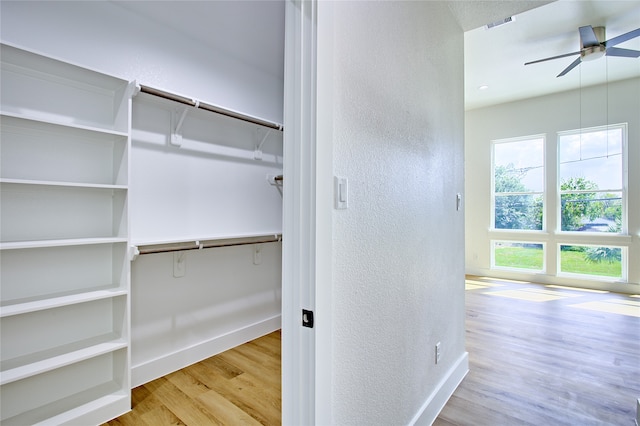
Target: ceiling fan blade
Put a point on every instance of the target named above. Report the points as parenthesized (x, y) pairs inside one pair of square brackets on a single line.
[(553, 57), (588, 37), (570, 67), (627, 53), (624, 37)]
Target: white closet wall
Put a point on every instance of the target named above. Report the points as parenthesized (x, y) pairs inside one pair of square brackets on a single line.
[(191, 304)]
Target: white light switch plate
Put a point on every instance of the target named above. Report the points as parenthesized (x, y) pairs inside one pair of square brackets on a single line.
[(341, 192)]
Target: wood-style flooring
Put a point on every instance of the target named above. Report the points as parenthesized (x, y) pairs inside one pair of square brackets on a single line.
[(542, 355), (538, 356), (241, 386)]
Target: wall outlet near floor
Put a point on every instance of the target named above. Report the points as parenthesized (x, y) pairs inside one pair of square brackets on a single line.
[(438, 352)]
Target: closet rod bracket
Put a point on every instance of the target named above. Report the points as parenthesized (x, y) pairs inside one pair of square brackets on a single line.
[(134, 252), (177, 120), (257, 153)]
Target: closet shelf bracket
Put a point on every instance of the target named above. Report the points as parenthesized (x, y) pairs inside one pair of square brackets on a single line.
[(257, 153), (133, 253), (177, 119)]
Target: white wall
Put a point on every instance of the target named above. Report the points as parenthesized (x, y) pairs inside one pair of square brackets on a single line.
[(595, 106), (223, 300), (210, 187), (396, 114), (106, 36)]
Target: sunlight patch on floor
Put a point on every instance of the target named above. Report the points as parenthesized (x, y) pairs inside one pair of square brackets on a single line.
[(474, 285), (531, 294), (505, 280), (588, 290), (613, 306)]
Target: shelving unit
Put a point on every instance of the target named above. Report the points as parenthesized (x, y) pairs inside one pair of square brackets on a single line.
[(64, 238)]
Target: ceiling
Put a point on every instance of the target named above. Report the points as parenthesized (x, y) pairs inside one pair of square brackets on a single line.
[(253, 32), (495, 57)]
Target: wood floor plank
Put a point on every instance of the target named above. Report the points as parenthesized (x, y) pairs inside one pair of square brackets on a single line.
[(225, 410), (188, 410), (161, 415), (235, 392)]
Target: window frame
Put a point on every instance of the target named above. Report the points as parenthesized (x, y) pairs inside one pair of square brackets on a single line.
[(543, 270), (624, 266), (624, 180), (542, 193)]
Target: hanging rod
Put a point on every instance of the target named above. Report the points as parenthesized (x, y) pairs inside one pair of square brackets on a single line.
[(210, 108), (203, 244)]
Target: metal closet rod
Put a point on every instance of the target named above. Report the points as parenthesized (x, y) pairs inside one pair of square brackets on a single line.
[(209, 107), (203, 244)]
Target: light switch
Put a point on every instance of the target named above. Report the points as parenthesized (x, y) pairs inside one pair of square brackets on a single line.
[(341, 192)]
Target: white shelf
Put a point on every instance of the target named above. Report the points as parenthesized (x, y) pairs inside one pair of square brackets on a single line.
[(32, 86), (93, 402), (64, 275), (11, 309), (101, 397), (64, 184), (65, 357), (63, 125), (107, 398), (14, 245), (36, 212), (36, 151)]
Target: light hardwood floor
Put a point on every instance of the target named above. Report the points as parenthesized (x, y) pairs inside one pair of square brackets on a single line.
[(538, 356), (241, 386), (547, 356)]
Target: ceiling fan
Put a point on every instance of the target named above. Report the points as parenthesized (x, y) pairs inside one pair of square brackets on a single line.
[(593, 46)]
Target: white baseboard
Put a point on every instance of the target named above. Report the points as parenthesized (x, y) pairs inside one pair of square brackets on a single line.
[(439, 397), (151, 370)]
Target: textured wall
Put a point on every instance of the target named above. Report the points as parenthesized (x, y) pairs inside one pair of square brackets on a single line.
[(398, 265)]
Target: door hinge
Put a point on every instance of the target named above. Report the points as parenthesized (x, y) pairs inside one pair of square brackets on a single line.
[(307, 318)]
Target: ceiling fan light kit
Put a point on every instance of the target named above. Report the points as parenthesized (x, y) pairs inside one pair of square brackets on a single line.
[(594, 46)]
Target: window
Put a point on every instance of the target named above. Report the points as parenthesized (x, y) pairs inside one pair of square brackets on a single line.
[(589, 204), (518, 182), (518, 255), (591, 179), (589, 260)]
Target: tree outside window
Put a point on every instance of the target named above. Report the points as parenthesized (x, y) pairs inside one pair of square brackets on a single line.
[(591, 180), (518, 176)]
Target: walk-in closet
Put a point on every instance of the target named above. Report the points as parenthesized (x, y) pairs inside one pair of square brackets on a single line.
[(141, 201)]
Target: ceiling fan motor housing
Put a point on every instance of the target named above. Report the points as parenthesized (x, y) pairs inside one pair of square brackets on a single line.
[(593, 52)]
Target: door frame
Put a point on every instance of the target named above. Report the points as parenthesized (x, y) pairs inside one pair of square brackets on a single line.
[(307, 213)]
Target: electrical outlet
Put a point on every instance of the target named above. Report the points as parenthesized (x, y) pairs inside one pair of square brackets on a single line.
[(438, 352)]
